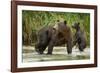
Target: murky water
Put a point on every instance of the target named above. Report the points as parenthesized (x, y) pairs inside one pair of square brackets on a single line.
[(59, 53)]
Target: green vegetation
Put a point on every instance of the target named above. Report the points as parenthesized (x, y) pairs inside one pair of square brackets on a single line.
[(34, 20)]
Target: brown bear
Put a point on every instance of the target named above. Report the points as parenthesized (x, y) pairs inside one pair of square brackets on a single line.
[(50, 36), (79, 37)]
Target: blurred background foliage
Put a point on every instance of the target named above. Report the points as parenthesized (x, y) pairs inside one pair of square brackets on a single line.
[(32, 21)]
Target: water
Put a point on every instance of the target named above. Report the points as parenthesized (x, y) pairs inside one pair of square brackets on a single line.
[(59, 53)]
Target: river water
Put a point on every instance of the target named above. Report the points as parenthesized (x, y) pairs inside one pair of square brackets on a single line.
[(59, 53)]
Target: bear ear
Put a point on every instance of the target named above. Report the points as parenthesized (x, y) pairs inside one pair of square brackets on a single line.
[(78, 23), (65, 22), (57, 20)]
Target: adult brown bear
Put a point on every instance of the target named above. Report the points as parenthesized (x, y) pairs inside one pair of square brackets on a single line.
[(51, 36)]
